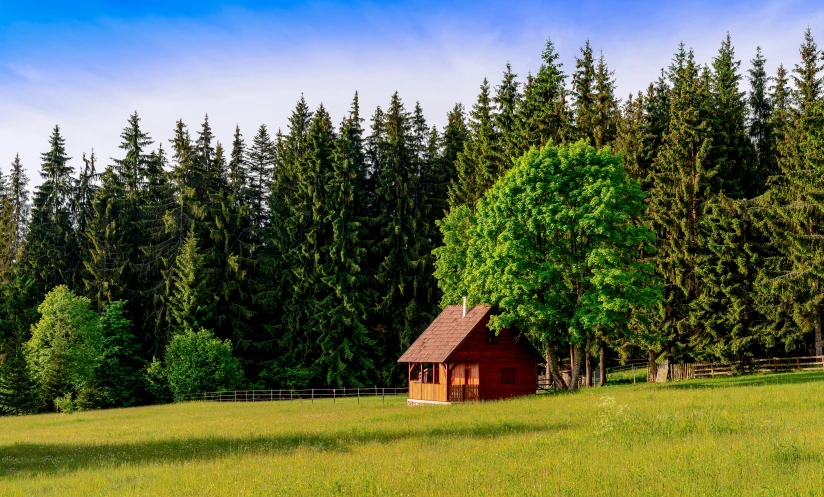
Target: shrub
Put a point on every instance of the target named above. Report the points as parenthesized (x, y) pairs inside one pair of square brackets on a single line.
[(199, 362)]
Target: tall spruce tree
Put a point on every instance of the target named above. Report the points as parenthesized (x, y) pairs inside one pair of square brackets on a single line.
[(606, 105), (191, 300), (156, 254), (18, 195), (760, 125), (584, 93), (83, 213), (261, 162), (276, 280), (543, 114), (17, 387), (482, 161), (50, 248), (681, 187), (507, 102), (346, 345), (731, 149), (452, 141), (399, 239), (310, 231), (794, 218)]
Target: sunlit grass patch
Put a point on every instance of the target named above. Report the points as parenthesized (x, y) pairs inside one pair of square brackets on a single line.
[(734, 436)]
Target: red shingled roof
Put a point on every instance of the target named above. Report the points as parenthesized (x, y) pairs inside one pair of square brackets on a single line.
[(445, 334)]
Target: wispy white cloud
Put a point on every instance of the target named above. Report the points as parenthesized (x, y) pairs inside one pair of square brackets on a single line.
[(249, 67)]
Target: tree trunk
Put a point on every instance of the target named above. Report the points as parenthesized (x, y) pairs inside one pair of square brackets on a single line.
[(578, 360), (817, 324), (602, 365), (552, 365), (549, 374), (652, 369)]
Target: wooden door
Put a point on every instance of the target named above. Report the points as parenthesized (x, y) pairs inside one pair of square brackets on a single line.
[(463, 382)]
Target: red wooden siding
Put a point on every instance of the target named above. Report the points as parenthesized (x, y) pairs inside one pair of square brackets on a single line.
[(506, 353)]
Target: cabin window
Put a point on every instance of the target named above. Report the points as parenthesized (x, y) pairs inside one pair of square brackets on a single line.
[(491, 337), (426, 377), (431, 373), (415, 372), (507, 376)]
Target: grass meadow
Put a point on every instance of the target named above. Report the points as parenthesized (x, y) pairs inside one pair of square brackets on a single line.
[(750, 435)]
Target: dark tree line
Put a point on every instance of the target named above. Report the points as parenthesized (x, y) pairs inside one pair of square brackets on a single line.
[(309, 251)]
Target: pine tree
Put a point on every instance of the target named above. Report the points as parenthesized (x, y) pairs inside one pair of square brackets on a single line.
[(760, 122), (807, 76), (606, 105), (189, 185), (275, 282), (731, 149), (231, 256), (681, 186), (630, 140), (454, 136), (107, 258), (17, 387), (131, 169), (191, 300), (118, 378), (50, 251), (346, 347), (543, 113), (794, 218), (482, 161), (156, 255), (83, 212), (309, 229), (18, 195), (780, 96), (205, 156), (238, 169), (507, 102), (585, 95), (261, 163), (398, 239)]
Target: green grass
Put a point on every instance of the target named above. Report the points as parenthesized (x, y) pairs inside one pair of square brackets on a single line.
[(752, 435)]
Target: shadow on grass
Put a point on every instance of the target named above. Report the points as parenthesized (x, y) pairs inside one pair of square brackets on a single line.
[(31, 459), (750, 380)]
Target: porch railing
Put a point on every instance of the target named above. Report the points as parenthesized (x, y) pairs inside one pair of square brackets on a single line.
[(463, 393)]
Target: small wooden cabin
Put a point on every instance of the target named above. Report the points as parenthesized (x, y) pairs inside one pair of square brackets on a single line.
[(458, 359)]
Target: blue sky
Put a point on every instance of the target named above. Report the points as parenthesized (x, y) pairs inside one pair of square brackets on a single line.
[(86, 65)]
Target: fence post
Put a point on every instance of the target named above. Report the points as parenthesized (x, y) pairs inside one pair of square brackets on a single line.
[(313, 395), (333, 395), (383, 395), (633, 374), (291, 394), (358, 395)]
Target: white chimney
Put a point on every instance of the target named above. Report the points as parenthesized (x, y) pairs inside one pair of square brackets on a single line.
[(464, 308)]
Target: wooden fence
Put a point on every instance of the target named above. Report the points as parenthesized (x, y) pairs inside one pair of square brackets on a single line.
[(775, 365), (295, 394)]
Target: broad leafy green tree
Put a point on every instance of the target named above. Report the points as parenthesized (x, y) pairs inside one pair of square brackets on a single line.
[(555, 247), (65, 347)]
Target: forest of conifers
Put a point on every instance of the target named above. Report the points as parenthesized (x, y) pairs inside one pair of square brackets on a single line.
[(307, 252)]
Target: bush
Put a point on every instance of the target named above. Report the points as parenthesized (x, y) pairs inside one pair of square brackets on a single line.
[(65, 348), (199, 362)]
